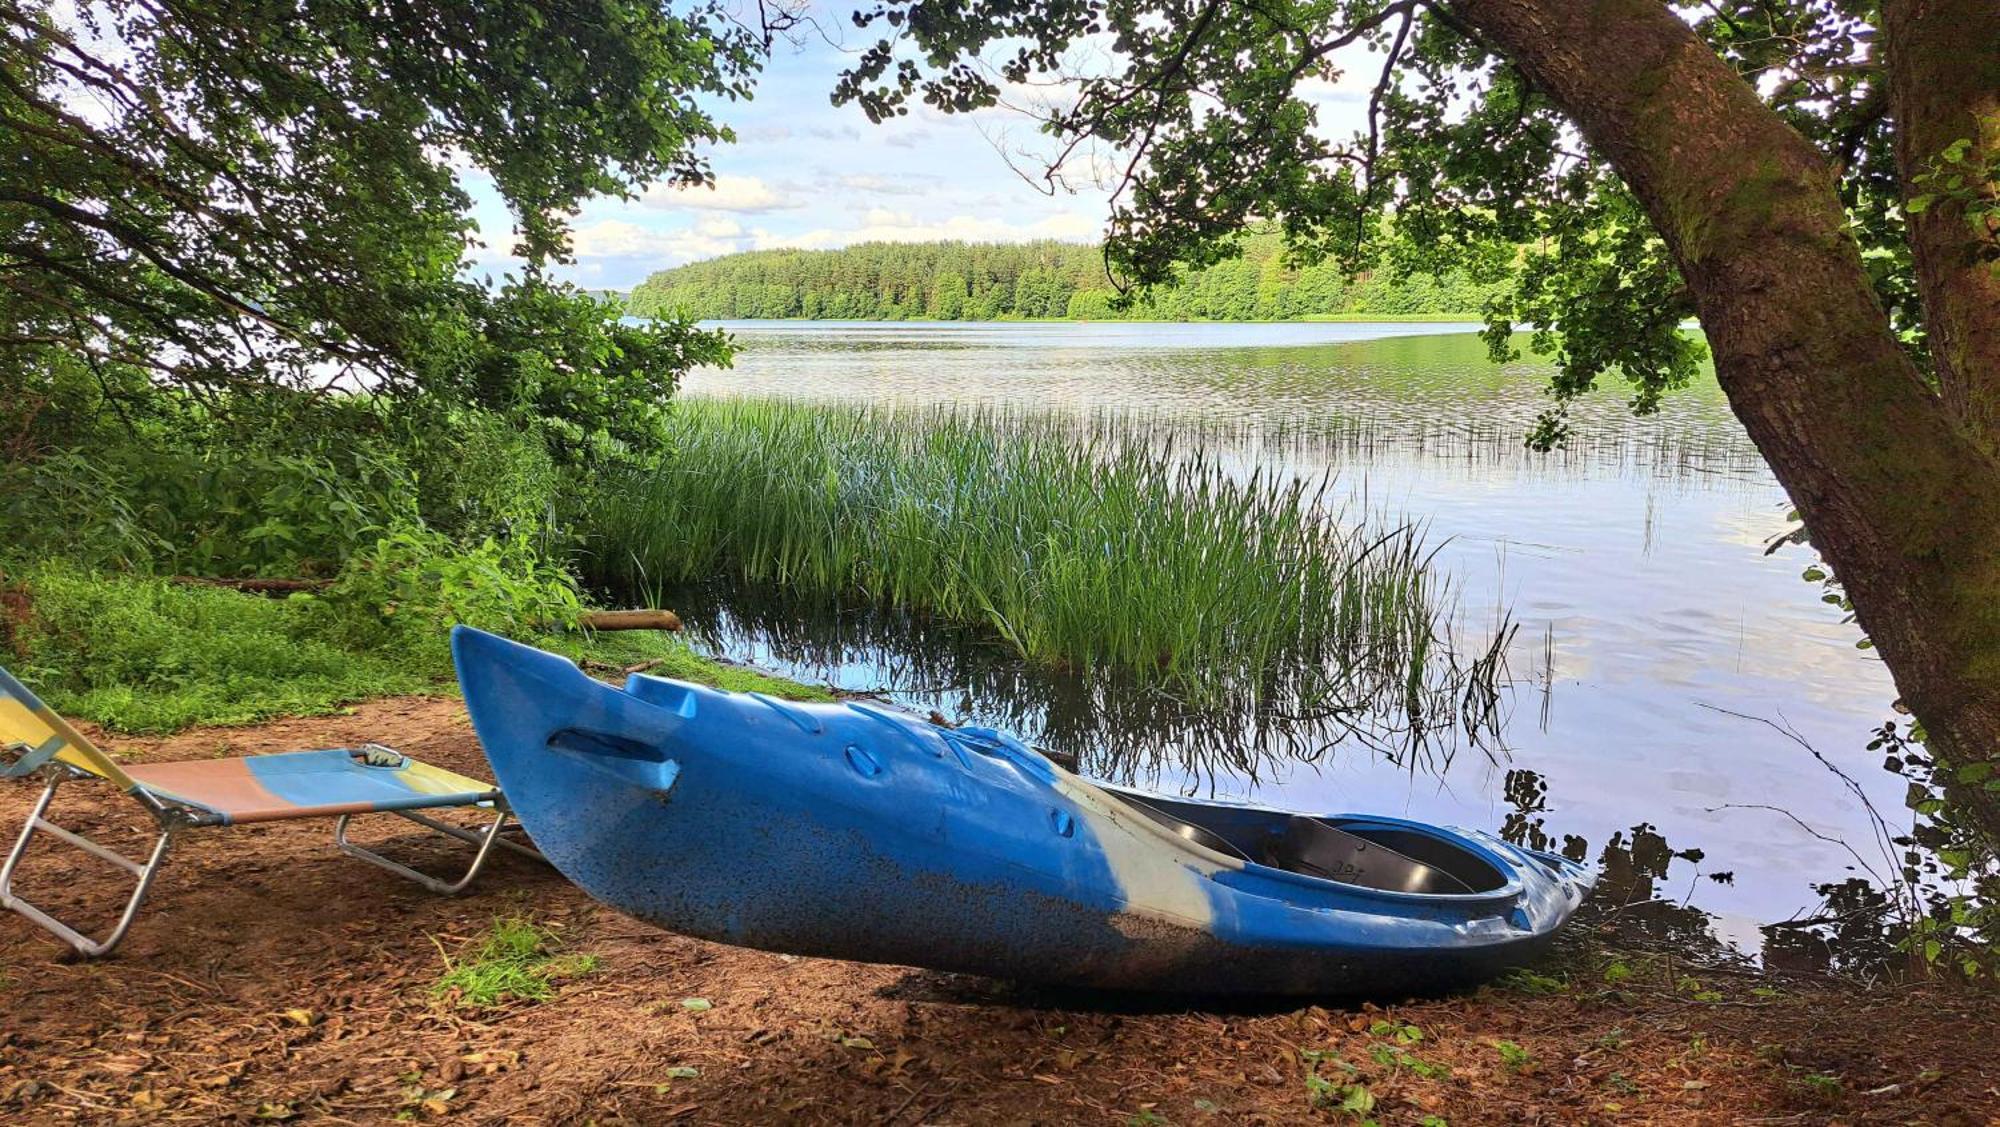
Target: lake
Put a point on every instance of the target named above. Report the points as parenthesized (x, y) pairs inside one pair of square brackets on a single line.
[(1633, 564)]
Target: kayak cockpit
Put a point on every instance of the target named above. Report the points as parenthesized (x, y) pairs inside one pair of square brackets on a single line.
[(1363, 852)]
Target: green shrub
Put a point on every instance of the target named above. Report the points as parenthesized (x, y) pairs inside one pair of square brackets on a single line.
[(404, 592), (142, 654), (281, 486), (187, 506), (483, 477)]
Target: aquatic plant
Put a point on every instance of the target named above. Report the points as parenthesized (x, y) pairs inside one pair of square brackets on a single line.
[(1082, 545)]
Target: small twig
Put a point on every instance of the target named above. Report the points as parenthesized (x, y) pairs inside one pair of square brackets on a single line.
[(907, 1101)]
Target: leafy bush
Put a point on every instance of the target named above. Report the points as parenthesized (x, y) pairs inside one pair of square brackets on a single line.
[(142, 654), (67, 504), (282, 486), (203, 502), (404, 592), (483, 477)]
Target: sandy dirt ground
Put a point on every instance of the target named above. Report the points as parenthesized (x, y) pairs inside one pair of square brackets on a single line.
[(272, 978)]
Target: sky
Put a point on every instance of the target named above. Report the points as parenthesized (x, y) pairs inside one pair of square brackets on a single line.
[(804, 173)]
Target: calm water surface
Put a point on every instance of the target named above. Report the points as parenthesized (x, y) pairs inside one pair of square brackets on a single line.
[(1634, 564)]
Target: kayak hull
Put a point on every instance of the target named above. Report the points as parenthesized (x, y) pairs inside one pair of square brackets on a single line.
[(855, 832)]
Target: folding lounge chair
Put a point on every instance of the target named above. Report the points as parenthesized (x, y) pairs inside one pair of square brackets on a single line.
[(335, 783)]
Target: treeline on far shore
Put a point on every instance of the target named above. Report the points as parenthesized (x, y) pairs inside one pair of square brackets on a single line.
[(958, 281)]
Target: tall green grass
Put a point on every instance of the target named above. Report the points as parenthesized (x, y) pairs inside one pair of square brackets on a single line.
[(1084, 545), (143, 654)]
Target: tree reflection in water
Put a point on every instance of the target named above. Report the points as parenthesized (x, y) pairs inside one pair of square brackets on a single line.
[(1109, 728)]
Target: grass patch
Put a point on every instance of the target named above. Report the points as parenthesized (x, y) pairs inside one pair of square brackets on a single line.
[(140, 654), (518, 960), (1085, 546)]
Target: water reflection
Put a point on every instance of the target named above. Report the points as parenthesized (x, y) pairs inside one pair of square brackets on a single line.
[(1104, 725), (1632, 563), (1646, 889)]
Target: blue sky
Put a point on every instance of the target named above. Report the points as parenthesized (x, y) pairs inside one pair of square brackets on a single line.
[(804, 173)]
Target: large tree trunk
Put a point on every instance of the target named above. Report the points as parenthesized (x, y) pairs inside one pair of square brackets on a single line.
[(1902, 499), (1944, 87)]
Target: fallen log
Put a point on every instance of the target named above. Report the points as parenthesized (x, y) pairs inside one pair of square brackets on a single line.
[(631, 620), (256, 586)]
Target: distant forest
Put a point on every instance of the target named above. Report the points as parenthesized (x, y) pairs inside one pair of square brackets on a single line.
[(955, 281)]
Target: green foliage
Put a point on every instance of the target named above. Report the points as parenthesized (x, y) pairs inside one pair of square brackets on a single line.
[(144, 655), (517, 960), (1946, 892), (988, 281), (1955, 176), (268, 196), (1392, 1057), (1401, 1032), (1513, 1056), (479, 475), (275, 485), (1462, 159), (196, 505), (1529, 982), (405, 592), (1092, 549)]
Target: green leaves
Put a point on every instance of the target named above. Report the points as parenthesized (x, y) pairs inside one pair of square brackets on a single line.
[(268, 196), (1214, 112)]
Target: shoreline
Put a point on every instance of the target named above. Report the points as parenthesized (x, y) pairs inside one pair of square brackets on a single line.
[(1316, 319), (270, 977)]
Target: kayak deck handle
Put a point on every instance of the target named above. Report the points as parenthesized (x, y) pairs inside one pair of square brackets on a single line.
[(605, 743)]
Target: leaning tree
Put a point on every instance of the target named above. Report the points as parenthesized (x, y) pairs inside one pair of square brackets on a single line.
[(1815, 180)]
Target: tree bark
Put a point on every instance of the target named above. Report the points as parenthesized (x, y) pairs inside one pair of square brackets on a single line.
[(1902, 500), (1944, 86)]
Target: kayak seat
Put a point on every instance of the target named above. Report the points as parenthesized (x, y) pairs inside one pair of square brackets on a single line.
[(1386, 858), (337, 783)]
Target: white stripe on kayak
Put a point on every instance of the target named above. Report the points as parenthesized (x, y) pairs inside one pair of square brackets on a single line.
[(1158, 874)]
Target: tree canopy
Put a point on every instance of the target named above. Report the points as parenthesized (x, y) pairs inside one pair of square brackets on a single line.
[(1210, 106), (1818, 181), (236, 196), (955, 281)]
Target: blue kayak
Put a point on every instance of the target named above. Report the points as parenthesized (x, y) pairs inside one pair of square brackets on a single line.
[(856, 832)]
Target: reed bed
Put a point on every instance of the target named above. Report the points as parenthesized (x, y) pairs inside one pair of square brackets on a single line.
[(1084, 547)]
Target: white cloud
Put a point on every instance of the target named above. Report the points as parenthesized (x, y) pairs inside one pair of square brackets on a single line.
[(730, 193), (883, 225), (618, 239), (903, 184)]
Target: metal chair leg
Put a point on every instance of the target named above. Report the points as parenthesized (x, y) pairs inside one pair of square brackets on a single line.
[(143, 874), (483, 841)]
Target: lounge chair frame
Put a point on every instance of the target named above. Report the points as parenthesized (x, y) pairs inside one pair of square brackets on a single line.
[(174, 821), (170, 821), (66, 755)]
